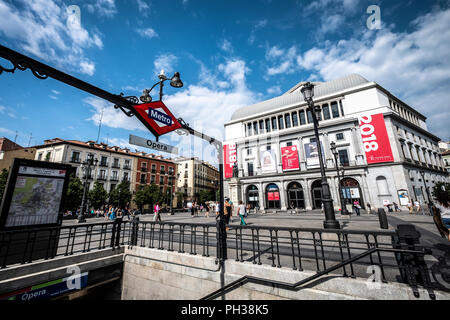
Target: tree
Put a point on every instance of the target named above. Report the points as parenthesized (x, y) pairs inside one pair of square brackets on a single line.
[(74, 193), (3, 180), (180, 199), (206, 195), (120, 195), (141, 198), (98, 195)]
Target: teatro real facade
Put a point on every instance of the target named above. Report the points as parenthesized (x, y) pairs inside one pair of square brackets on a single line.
[(383, 144)]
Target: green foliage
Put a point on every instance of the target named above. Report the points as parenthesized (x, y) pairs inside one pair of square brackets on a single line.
[(98, 195), (74, 194), (120, 195), (148, 195), (180, 198), (206, 195), (3, 180)]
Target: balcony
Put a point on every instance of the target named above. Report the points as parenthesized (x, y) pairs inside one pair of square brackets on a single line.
[(115, 165), (153, 170), (103, 164), (162, 172), (75, 160), (126, 179), (126, 167), (144, 169), (89, 176), (102, 177), (114, 179)]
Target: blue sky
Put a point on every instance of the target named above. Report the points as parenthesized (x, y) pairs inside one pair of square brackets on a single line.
[(229, 53)]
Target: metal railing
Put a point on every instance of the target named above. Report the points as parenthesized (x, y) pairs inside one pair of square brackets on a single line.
[(26, 246)]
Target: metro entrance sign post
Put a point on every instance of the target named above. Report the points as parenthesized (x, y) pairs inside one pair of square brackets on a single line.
[(156, 117)]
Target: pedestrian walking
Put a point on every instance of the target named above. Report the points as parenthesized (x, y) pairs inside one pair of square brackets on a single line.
[(207, 208), (190, 207), (369, 208), (247, 210), (217, 209), (417, 206), (231, 209), (410, 207), (396, 208), (357, 207), (227, 211), (157, 216), (241, 211)]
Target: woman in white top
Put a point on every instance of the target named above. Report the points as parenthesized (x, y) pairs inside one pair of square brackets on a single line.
[(444, 208), (242, 213)]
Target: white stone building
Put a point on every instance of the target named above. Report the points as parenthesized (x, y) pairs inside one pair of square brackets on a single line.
[(114, 164), (356, 114)]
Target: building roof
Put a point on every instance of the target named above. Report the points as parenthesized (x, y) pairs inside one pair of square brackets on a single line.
[(293, 96), (103, 147)]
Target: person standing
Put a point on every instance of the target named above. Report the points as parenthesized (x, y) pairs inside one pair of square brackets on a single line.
[(357, 207), (241, 211), (217, 209), (247, 210), (157, 216), (190, 207), (396, 208), (410, 207), (231, 210), (369, 208), (227, 211)]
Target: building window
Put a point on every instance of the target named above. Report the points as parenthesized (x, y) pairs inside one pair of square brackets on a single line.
[(115, 163), (75, 157), (309, 115), (287, 120), (249, 129), (261, 126), (255, 127), (289, 144), (339, 136), (103, 161), (280, 123), (274, 123), (342, 109), (294, 119), (382, 186), (249, 151), (250, 168), (268, 147), (343, 157), (302, 117), (267, 125), (334, 109), (40, 155), (326, 112)]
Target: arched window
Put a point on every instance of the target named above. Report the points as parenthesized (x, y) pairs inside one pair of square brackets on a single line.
[(253, 196), (296, 198), (273, 196), (382, 186)]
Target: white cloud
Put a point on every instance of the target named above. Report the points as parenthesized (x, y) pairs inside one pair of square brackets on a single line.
[(56, 92), (147, 33), (275, 90), (414, 66), (53, 97), (87, 67), (143, 6), (284, 60), (165, 62), (46, 29), (2, 109), (226, 46), (6, 131), (105, 8)]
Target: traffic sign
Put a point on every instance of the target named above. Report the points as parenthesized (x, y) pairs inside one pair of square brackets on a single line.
[(156, 117), (142, 142)]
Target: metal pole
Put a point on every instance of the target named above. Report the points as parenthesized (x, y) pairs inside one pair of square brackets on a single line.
[(330, 219), (343, 206), (81, 217)]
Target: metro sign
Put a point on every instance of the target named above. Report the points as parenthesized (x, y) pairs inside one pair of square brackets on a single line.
[(156, 117)]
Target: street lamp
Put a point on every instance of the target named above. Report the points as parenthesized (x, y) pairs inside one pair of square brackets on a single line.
[(86, 166), (175, 82), (330, 219), (335, 154)]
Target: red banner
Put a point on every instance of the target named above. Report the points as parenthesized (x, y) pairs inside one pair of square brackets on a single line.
[(229, 155), (270, 196), (276, 195), (289, 158), (375, 139), (273, 196)]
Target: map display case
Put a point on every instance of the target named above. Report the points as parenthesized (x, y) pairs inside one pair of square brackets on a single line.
[(31, 208)]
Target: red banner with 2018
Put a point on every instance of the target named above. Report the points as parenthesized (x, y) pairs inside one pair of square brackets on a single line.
[(375, 139)]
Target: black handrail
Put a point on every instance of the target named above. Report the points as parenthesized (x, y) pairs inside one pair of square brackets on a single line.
[(250, 279)]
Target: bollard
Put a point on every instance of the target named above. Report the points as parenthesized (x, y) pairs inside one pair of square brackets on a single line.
[(383, 219), (134, 231)]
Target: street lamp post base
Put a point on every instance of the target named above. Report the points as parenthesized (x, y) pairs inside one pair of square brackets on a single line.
[(331, 224), (81, 219)]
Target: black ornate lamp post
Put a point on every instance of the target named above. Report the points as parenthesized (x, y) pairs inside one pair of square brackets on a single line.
[(330, 219), (335, 154), (87, 167), (175, 82)]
